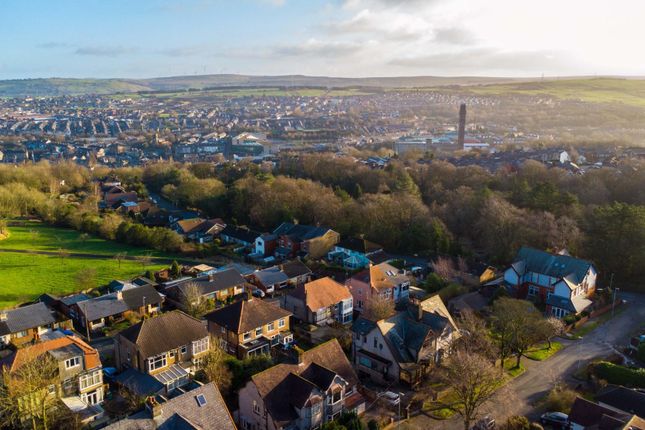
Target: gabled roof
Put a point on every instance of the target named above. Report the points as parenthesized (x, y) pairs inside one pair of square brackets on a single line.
[(295, 268), (240, 233), (300, 232), (555, 265), (164, 332), (184, 412), (116, 303), (587, 414), (246, 315), (23, 355), (26, 317), (359, 245), (212, 283), (624, 399), (277, 384), (321, 293), (271, 276)]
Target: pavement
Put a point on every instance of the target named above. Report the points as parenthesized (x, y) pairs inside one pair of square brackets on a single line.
[(520, 395)]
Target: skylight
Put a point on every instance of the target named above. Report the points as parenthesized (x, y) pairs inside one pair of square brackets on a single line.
[(201, 400)]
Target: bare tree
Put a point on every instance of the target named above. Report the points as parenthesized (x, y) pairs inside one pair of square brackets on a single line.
[(192, 299), (550, 328), (86, 279), (474, 336), (119, 257), (215, 368), (515, 323), (444, 267), (144, 260), (29, 393), (473, 380), (63, 254), (378, 308)]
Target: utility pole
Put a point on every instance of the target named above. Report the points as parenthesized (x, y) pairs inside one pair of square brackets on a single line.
[(613, 302), (87, 325)]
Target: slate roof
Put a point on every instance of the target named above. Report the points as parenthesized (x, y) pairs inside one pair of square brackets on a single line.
[(246, 315), (271, 276), (70, 300), (300, 232), (164, 332), (624, 399), (139, 383), (295, 268), (556, 265), (575, 305), (110, 304), (26, 317), (284, 386), (587, 414), (405, 332), (359, 245), (362, 325), (321, 293), (184, 413), (212, 283), (240, 233)]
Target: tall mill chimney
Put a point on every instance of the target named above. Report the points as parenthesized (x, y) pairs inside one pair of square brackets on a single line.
[(462, 126)]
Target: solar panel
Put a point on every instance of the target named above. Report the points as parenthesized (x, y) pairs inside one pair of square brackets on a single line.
[(201, 400)]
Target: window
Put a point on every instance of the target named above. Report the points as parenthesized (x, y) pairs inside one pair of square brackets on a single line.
[(256, 407), (157, 362), (336, 396), (533, 291), (72, 362), (200, 346), (281, 322), (258, 331), (21, 334), (172, 353), (247, 335), (271, 326), (90, 379), (375, 342), (184, 349)]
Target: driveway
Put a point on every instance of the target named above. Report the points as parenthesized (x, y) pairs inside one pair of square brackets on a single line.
[(520, 395)]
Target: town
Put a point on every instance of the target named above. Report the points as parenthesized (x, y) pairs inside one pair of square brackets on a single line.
[(322, 215)]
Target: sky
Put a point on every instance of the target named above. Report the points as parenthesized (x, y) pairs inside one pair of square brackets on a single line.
[(352, 38)]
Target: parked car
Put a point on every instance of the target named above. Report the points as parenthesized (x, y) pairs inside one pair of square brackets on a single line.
[(391, 398), (258, 293), (556, 419), (486, 423)]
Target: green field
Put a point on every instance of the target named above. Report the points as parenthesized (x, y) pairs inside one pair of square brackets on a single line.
[(592, 90), (36, 236), (24, 276), (257, 92)]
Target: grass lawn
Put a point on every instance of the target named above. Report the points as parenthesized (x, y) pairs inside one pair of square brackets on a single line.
[(542, 352), (36, 236), (511, 370), (26, 276)]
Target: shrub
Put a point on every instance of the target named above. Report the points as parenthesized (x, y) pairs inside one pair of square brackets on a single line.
[(620, 375), (373, 425), (560, 399), (516, 422), (569, 319)]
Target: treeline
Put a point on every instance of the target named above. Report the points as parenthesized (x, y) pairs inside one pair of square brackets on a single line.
[(430, 209), (62, 195)]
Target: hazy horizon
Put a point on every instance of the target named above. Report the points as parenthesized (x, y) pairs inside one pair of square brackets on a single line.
[(339, 38)]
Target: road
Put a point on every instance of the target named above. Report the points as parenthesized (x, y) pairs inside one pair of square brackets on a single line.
[(519, 396)]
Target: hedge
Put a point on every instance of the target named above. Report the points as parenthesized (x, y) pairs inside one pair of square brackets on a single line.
[(620, 375)]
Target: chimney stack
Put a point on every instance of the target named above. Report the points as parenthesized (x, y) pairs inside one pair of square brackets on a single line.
[(154, 407), (462, 126)]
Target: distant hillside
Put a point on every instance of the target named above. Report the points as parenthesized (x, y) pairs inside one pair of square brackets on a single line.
[(63, 86)]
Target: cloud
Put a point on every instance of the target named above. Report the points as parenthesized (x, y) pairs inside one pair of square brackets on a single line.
[(276, 3), (183, 51), (53, 45), (454, 36), (486, 60), (105, 51), (317, 48)]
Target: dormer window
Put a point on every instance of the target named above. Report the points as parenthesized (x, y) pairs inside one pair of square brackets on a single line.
[(72, 362)]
